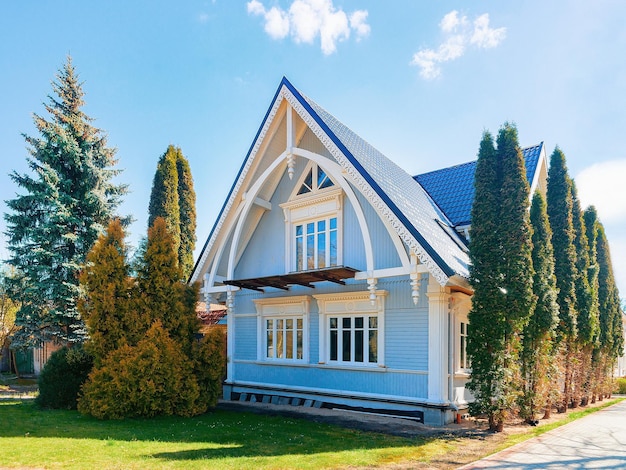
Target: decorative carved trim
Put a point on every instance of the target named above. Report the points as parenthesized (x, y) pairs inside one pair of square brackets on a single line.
[(364, 187), (295, 299), (356, 178), (318, 198), (348, 298)]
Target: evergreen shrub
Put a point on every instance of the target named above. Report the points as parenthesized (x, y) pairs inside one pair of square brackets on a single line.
[(149, 379), (210, 367), (62, 377)]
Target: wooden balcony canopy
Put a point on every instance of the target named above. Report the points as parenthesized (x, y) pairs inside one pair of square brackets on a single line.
[(336, 274)]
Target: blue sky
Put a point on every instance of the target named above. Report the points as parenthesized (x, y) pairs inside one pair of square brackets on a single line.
[(418, 80)]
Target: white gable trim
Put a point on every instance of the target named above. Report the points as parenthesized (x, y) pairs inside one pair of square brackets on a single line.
[(234, 195), (379, 205), (385, 213)]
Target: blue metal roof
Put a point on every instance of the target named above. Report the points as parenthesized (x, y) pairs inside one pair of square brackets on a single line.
[(403, 196), (452, 189)]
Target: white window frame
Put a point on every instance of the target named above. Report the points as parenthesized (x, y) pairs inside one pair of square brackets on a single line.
[(463, 368), (353, 305), (282, 308), (316, 235), (312, 208)]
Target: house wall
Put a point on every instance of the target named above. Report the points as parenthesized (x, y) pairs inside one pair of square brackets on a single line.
[(406, 346), (268, 242)]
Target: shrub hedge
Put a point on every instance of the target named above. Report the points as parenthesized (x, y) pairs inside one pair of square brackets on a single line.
[(62, 376)]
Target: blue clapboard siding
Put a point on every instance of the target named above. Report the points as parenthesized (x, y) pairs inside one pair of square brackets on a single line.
[(385, 255), (379, 382), (311, 143), (245, 338), (406, 344), (272, 227)]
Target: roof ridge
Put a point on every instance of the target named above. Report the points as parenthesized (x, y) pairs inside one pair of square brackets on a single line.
[(472, 162)]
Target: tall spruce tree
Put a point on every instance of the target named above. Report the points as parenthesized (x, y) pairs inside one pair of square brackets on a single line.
[(560, 215), (69, 199), (537, 358), (173, 198), (501, 275)]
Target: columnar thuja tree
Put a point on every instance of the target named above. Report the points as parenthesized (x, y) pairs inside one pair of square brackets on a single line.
[(108, 310), (187, 207), (174, 199), (69, 199), (159, 294), (501, 275), (560, 215), (592, 224), (538, 368), (611, 338), (586, 304)]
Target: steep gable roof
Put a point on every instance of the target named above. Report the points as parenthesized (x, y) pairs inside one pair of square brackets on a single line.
[(392, 192), (409, 208), (452, 189)]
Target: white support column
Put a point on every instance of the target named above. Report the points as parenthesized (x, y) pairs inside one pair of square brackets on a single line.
[(230, 334), (437, 342)]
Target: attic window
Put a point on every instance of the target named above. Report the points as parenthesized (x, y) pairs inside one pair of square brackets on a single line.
[(315, 180)]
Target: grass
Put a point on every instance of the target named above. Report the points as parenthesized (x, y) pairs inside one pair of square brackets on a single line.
[(66, 439), (222, 439)]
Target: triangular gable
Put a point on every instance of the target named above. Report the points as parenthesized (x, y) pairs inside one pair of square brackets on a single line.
[(394, 193)]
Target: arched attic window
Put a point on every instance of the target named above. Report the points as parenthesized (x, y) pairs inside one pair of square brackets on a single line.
[(313, 216), (315, 179)]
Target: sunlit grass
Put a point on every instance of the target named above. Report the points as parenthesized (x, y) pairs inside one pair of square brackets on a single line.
[(66, 439), (35, 438)]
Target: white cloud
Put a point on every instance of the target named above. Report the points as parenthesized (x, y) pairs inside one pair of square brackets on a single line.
[(305, 20), (484, 36), (451, 20), (602, 185), (459, 33), (358, 23)]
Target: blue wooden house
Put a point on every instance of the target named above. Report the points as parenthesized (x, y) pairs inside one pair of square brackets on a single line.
[(345, 278)]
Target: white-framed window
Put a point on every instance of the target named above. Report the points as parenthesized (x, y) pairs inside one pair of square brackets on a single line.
[(313, 222), (352, 329), (464, 362), (353, 339), (316, 243), (284, 337), (282, 329), (314, 179), (460, 305)]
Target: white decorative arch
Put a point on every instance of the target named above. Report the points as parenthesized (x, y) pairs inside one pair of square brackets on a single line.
[(331, 168)]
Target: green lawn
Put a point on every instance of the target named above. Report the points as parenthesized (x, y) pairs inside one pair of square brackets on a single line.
[(30, 437), (33, 438)]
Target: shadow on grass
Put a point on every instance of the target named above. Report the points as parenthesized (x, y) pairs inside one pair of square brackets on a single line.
[(216, 435)]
